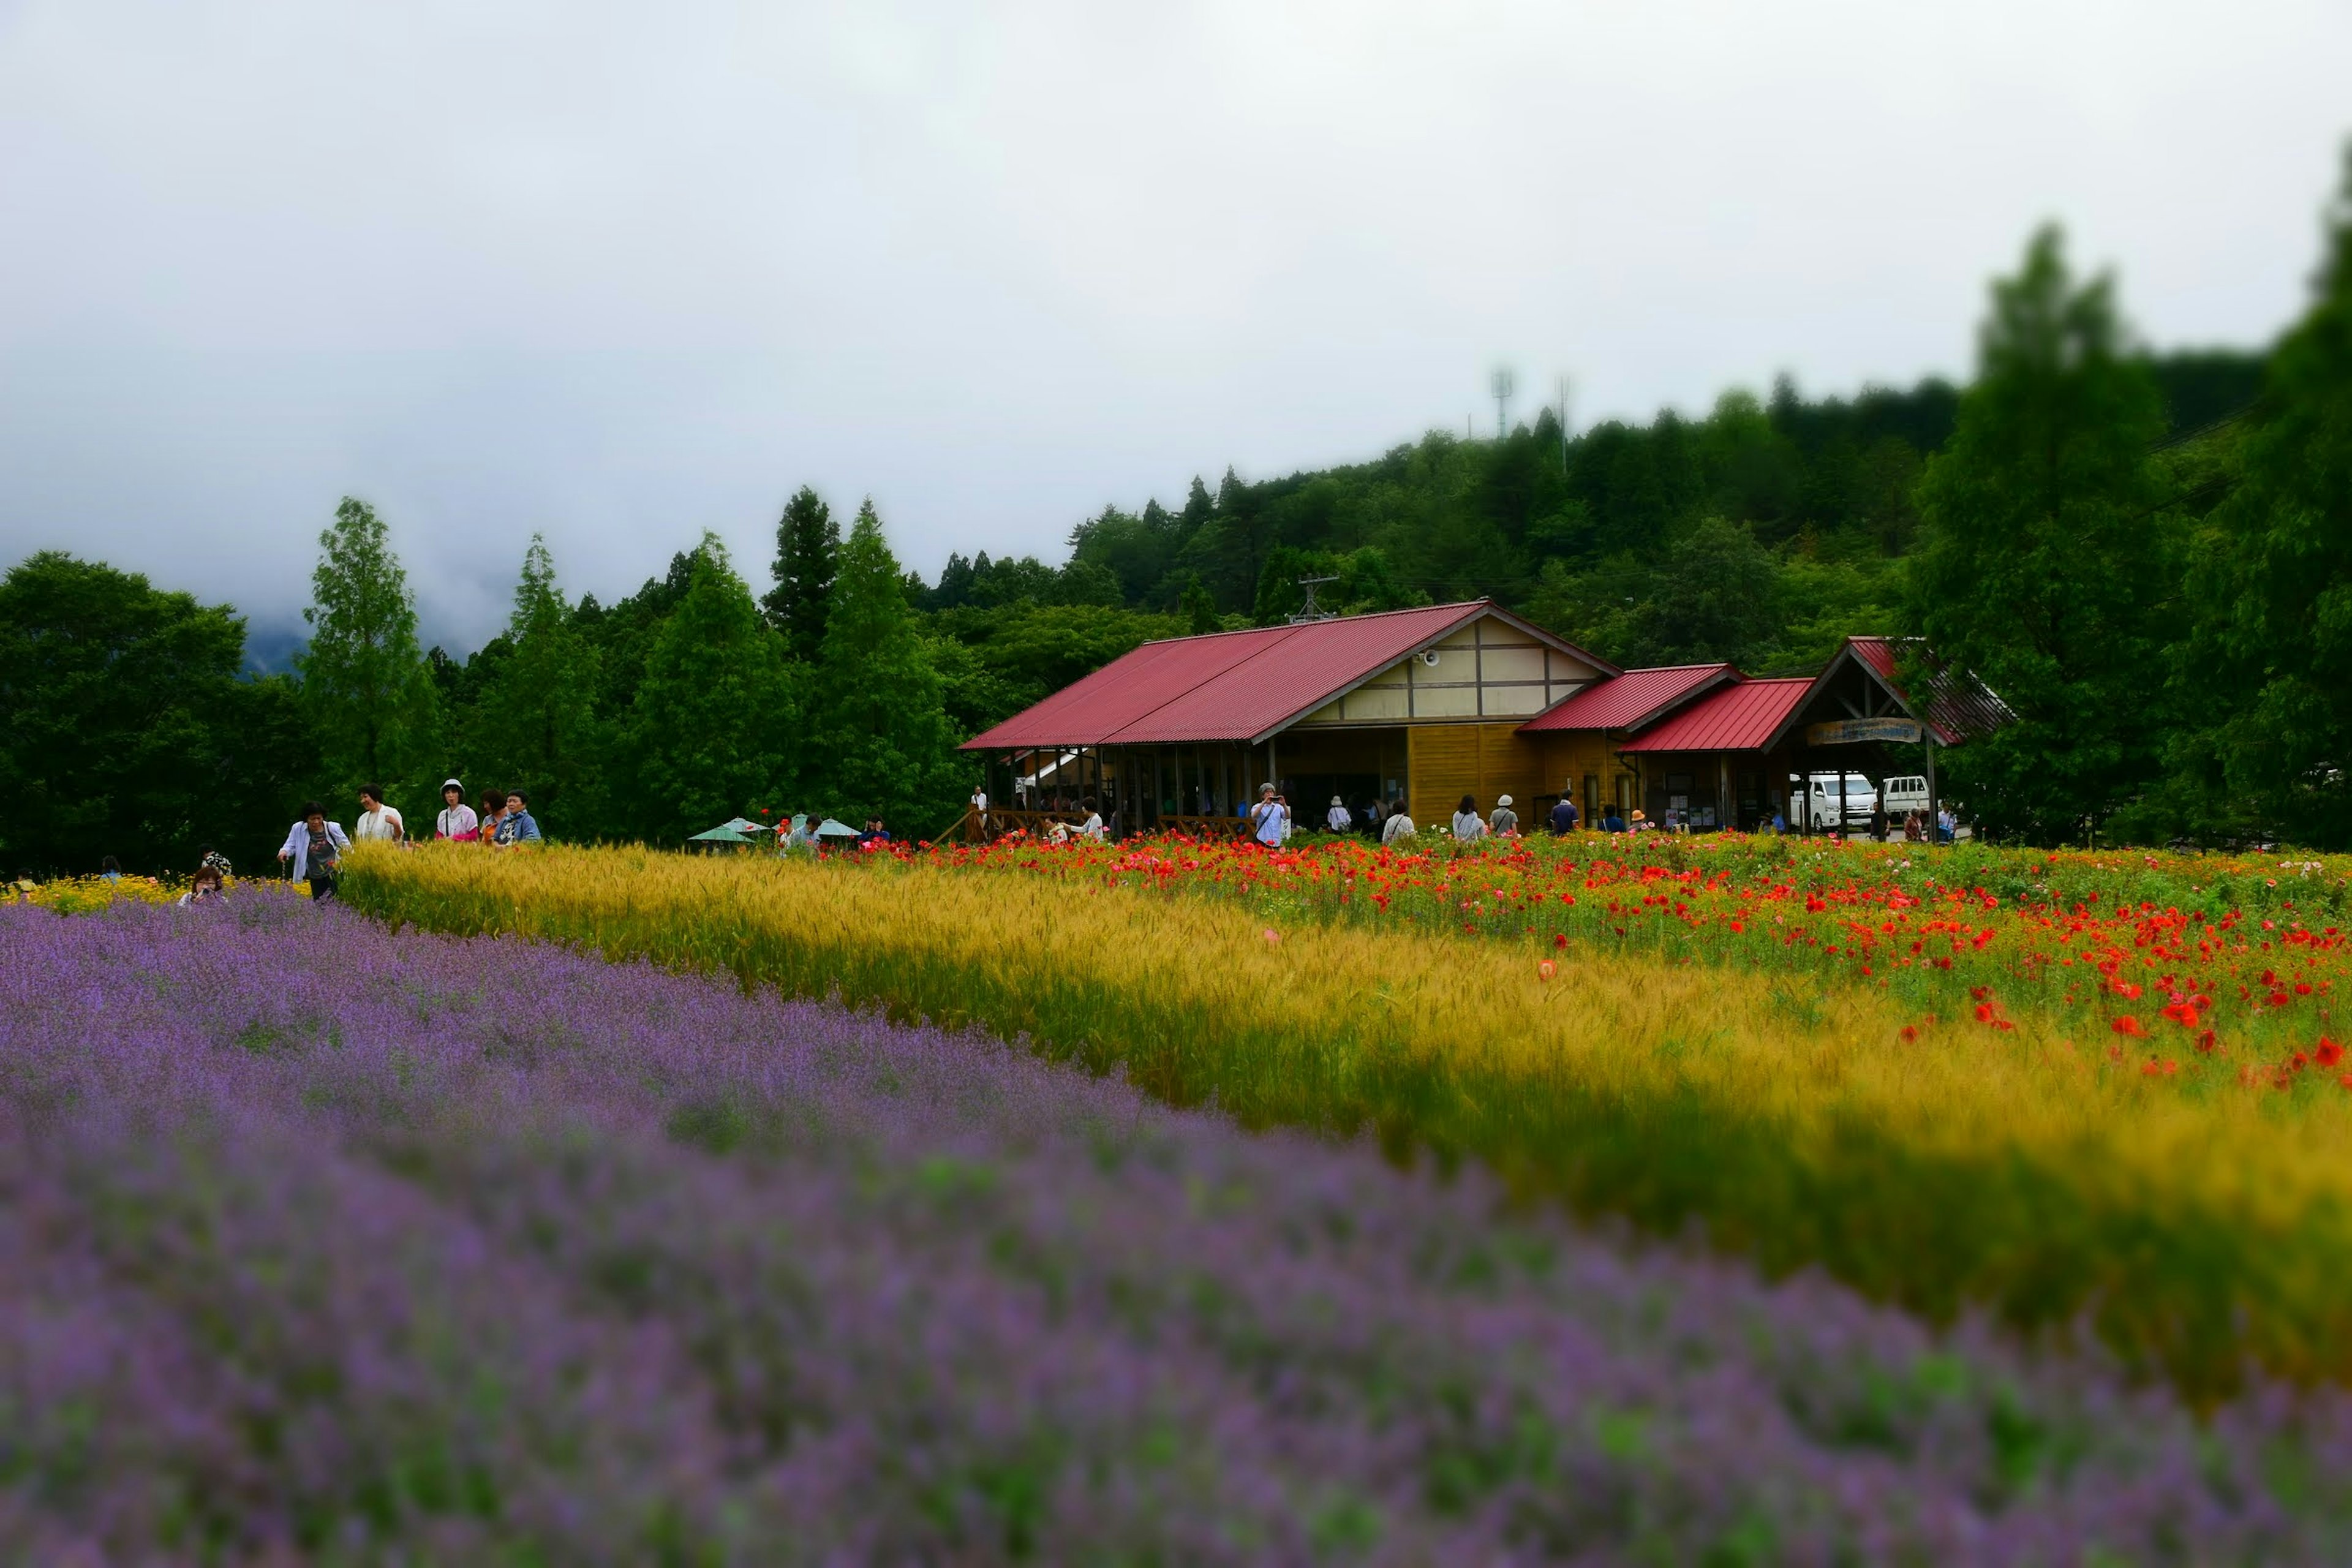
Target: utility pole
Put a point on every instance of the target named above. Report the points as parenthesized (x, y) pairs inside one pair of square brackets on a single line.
[(1309, 610), (1504, 384)]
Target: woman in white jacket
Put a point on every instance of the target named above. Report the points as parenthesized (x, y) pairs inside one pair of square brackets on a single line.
[(315, 849)]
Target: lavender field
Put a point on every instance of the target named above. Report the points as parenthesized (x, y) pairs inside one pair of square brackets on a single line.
[(320, 1242)]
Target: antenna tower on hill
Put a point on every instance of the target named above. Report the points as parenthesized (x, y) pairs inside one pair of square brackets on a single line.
[(1309, 610)]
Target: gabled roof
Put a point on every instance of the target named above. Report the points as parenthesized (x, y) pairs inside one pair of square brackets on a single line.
[(1239, 686), (1959, 708), (1631, 699), (1743, 717)]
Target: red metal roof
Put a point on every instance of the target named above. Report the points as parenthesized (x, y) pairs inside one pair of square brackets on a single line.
[(1741, 717), (1631, 699), (1960, 706), (1234, 686)]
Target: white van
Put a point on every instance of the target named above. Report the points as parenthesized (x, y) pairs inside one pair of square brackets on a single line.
[(1813, 802), (1904, 794)]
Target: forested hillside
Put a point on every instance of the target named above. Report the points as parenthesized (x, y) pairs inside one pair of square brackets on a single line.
[(2148, 555)]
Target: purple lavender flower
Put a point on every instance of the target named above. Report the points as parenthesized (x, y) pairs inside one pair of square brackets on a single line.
[(324, 1241)]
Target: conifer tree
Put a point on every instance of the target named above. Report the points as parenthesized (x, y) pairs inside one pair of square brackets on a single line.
[(366, 690), (808, 550), (2041, 566), (2274, 644), (534, 727), (716, 720), (882, 728)]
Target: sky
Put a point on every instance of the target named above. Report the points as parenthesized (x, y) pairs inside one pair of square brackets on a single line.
[(621, 274)]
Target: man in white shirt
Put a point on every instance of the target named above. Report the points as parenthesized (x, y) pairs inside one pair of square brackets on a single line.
[(1338, 819), (1268, 821), (377, 820)]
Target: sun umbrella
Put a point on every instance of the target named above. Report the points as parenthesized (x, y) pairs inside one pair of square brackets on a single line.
[(722, 834), (829, 828)]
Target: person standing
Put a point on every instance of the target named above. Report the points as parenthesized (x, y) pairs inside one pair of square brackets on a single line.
[(980, 809), (1563, 815), (1398, 827), (378, 822), (1268, 820), (211, 859), (1468, 825), (314, 847), (494, 806), (1610, 821), (110, 869), (516, 829), (1338, 819), (456, 824), (1505, 823)]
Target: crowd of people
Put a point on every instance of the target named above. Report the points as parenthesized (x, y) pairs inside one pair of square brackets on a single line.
[(314, 847)]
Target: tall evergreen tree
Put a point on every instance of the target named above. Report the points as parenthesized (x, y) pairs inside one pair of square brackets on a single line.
[(366, 690), (2273, 653), (534, 726), (2043, 566), (882, 728), (716, 720), (808, 553)]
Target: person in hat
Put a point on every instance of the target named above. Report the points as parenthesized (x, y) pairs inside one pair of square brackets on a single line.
[(456, 823), (1641, 823), (1505, 823), (1338, 819)]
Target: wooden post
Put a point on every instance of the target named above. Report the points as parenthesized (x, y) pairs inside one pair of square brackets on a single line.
[(1933, 812)]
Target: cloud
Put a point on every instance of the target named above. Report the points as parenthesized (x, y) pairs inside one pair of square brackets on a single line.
[(621, 273)]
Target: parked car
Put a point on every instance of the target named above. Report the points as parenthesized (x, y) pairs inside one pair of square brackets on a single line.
[(1813, 802), (1904, 793)]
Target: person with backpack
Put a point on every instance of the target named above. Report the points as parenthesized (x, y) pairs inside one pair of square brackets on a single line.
[(314, 850)]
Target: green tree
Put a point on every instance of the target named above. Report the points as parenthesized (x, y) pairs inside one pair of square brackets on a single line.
[(2272, 662), (882, 728), (534, 725), (1198, 607), (127, 728), (716, 719), (2043, 566), (808, 551), (366, 688)]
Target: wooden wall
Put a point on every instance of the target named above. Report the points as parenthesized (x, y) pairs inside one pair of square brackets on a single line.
[(1450, 761)]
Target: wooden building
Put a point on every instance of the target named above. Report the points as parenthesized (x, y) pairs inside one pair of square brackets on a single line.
[(1428, 705), (1423, 705)]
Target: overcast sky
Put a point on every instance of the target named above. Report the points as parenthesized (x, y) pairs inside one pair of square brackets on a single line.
[(621, 273)]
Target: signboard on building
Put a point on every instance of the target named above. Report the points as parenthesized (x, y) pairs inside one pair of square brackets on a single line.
[(1846, 732)]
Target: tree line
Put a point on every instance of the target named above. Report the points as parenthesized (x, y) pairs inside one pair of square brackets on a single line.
[(2149, 556)]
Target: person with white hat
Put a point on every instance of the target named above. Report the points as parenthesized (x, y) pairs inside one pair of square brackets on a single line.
[(1338, 819), (1505, 823), (457, 821)]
